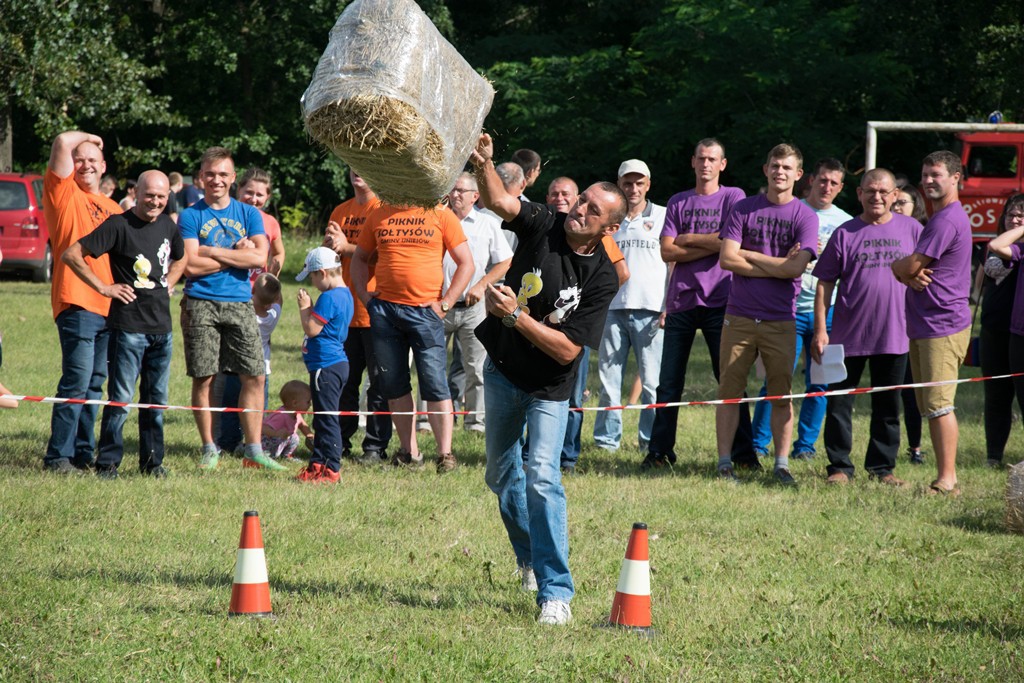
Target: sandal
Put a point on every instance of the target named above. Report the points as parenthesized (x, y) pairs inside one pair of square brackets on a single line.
[(934, 489)]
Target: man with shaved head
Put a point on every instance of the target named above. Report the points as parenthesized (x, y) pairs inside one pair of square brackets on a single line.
[(146, 255), (74, 207), (554, 303), (870, 310)]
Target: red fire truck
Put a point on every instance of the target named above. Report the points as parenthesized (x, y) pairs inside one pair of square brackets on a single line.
[(991, 154)]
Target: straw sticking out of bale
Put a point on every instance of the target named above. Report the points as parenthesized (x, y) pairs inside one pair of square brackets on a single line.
[(388, 143), (396, 101)]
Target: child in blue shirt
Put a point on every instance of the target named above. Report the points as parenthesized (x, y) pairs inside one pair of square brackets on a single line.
[(323, 351)]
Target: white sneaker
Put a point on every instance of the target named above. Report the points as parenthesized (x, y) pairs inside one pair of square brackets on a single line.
[(555, 613), (529, 580)]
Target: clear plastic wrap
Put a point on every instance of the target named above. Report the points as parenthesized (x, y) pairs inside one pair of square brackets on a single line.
[(396, 101)]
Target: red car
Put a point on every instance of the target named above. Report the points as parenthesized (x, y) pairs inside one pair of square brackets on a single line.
[(24, 237)]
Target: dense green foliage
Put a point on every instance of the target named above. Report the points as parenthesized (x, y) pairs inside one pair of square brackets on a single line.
[(587, 83)]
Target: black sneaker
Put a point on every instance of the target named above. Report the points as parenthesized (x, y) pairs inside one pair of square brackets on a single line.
[(107, 472), (61, 466), (158, 472), (656, 460), (783, 476), (916, 456), (727, 474)]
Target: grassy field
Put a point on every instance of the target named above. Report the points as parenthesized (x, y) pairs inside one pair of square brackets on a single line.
[(409, 576)]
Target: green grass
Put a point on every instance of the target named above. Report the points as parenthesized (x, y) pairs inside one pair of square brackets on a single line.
[(408, 576)]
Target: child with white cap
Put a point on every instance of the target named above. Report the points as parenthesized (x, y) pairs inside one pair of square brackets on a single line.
[(325, 325)]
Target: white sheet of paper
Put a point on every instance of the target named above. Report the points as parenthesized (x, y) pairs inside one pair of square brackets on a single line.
[(832, 369)]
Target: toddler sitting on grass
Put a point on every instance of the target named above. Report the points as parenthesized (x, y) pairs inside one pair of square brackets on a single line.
[(281, 428)]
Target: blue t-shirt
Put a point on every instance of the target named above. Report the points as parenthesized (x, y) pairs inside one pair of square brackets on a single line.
[(334, 310), (220, 228)]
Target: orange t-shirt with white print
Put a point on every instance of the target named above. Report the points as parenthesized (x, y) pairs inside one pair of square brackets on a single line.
[(71, 214), (351, 216), (410, 243)]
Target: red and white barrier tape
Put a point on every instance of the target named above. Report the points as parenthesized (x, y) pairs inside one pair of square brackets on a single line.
[(676, 404)]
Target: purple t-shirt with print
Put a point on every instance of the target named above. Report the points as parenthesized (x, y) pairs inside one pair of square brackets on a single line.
[(942, 308), (701, 282), (771, 229), (870, 307)]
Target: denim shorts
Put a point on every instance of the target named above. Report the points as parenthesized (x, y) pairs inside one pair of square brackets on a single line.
[(397, 328)]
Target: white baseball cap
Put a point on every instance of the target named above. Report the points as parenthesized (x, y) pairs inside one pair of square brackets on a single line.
[(634, 166), (319, 258)]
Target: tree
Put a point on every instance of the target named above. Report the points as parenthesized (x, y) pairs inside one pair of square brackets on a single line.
[(68, 63)]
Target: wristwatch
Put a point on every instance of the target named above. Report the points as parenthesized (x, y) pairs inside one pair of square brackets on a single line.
[(510, 319), (445, 306)]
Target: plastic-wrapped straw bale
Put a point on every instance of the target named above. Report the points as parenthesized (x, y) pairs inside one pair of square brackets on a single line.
[(396, 101), (1015, 499)]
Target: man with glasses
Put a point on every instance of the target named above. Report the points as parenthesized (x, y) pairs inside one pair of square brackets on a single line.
[(937, 275), (869, 323)]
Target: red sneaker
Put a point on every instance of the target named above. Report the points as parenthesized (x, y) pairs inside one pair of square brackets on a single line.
[(311, 473), (328, 476)]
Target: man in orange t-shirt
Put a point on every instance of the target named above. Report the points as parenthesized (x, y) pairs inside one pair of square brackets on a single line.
[(74, 207), (408, 309), (343, 230)]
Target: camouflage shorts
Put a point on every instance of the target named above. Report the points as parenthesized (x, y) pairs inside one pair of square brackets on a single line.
[(221, 336)]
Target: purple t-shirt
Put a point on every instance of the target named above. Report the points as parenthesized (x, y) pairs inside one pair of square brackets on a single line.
[(1017, 314), (701, 282), (870, 307), (758, 225), (942, 308)]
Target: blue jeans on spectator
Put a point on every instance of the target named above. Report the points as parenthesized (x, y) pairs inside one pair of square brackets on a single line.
[(326, 385), (625, 328), (680, 331), (812, 410), (396, 329), (359, 349), (532, 503), (146, 359), (228, 435), (83, 347)]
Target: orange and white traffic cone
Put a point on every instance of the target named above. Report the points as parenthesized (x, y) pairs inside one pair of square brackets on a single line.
[(250, 594), (631, 607)]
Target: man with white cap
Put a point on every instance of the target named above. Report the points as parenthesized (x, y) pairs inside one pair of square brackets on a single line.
[(634, 315)]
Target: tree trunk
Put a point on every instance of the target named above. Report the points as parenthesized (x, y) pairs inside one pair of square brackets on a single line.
[(6, 141)]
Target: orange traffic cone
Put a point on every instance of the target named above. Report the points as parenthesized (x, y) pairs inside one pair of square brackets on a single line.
[(631, 607), (250, 594)]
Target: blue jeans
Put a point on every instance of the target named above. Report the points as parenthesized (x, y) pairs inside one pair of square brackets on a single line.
[(326, 385), (228, 431), (83, 347), (532, 503), (812, 410), (396, 328), (143, 358), (572, 444), (623, 329), (680, 331)]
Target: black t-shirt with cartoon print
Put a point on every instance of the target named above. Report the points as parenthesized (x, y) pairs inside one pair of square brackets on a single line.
[(565, 290), (140, 256)]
